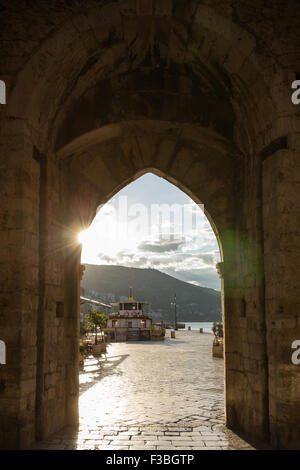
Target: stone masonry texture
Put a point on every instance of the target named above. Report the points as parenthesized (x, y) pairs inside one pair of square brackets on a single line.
[(101, 92)]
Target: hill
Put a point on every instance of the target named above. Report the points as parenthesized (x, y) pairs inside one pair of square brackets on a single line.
[(111, 284)]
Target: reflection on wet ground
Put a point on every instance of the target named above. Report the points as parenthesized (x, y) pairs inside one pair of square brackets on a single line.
[(152, 395)]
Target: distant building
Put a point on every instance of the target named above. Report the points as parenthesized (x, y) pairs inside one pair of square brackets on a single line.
[(130, 323)]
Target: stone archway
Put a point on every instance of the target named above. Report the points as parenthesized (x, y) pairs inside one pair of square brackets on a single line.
[(104, 93)]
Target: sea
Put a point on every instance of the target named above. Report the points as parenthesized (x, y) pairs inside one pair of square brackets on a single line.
[(207, 326)]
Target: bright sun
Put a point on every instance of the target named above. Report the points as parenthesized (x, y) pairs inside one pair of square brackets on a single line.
[(82, 236), (95, 240)]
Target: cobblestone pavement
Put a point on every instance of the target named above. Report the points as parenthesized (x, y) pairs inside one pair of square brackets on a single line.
[(152, 395)]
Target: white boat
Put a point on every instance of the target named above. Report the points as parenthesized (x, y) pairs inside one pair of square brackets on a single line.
[(130, 323)]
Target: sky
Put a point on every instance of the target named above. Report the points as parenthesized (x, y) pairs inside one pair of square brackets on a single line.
[(152, 224)]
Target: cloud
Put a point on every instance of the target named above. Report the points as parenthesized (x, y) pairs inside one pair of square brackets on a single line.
[(208, 258), (195, 283), (104, 257), (125, 254), (161, 246), (195, 268), (202, 277)]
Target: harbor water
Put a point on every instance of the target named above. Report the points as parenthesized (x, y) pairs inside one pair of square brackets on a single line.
[(207, 326)]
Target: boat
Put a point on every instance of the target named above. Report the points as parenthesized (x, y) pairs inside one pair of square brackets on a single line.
[(130, 323), (158, 331)]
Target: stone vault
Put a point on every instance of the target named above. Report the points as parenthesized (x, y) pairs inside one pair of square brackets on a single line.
[(100, 92)]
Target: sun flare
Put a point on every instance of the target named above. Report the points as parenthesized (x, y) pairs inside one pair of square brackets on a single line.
[(82, 236)]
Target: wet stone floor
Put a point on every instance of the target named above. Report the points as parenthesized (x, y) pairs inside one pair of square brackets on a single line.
[(152, 395)]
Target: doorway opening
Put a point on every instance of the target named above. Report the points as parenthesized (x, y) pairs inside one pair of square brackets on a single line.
[(153, 237)]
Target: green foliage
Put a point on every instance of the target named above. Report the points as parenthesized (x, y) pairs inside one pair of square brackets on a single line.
[(96, 320), (85, 327), (83, 349), (217, 329), (220, 330)]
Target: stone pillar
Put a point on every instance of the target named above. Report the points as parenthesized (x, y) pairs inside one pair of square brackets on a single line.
[(51, 329), (19, 236), (244, 350), (79, 210), (73, 275), (281, 211), (231, 379)]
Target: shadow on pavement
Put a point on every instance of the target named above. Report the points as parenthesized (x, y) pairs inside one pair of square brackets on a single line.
[(100, 368)]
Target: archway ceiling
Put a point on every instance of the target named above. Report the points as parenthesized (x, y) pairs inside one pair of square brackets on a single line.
[(132, 129), (107, 42), (202, 170), (153, 92)]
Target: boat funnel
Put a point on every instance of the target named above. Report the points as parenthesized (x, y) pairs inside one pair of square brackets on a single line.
[(130, 295)]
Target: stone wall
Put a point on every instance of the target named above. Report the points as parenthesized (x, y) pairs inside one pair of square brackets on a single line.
[(197, 92), (281, 204), (19, 277)]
